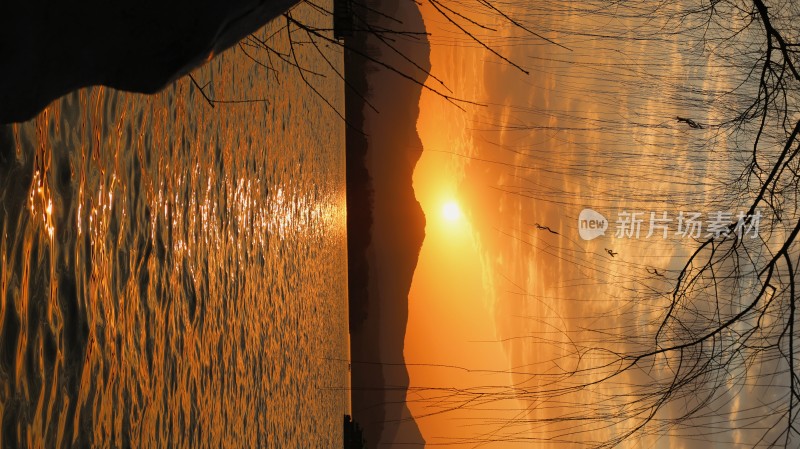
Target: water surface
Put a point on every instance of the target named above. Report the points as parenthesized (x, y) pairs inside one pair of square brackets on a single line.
[(174, 275)]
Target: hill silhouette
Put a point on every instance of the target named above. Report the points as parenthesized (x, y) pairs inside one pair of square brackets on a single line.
[(386, 225)]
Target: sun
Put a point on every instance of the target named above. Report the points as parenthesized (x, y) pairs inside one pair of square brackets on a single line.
[(451, 211)]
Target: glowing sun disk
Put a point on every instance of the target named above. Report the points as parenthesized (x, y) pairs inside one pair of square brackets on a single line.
[(451, 211)]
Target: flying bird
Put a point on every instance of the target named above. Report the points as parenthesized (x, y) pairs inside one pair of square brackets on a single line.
[(655, 271), (690, 122), (610, 252), (546, 228)]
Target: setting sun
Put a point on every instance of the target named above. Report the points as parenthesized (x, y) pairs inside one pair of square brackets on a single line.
[(451, 211)]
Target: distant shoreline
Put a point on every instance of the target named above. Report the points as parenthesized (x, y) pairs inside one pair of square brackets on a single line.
[(366, 380), (360, 188), (385, 222)]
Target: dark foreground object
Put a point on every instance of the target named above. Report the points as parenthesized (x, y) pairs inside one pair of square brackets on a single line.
[(48, 49), (353, 435)]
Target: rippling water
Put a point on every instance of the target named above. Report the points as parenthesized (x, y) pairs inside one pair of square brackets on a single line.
[(174, 275)]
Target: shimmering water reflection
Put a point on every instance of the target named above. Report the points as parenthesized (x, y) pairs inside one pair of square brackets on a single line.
[(174, 275)]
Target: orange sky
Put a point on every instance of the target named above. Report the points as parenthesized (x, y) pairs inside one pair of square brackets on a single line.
[(451, 311), (492, 276)]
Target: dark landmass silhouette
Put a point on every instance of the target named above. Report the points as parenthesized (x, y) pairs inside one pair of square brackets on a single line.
[(386, 225), (353, 435), (48, 49), (360, 191)]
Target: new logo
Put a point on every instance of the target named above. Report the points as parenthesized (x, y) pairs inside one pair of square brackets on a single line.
[(591, 224)]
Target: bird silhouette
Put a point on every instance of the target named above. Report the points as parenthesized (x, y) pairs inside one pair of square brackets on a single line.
[(546, 228), (655, 271), (690, 122), (610, 252)]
